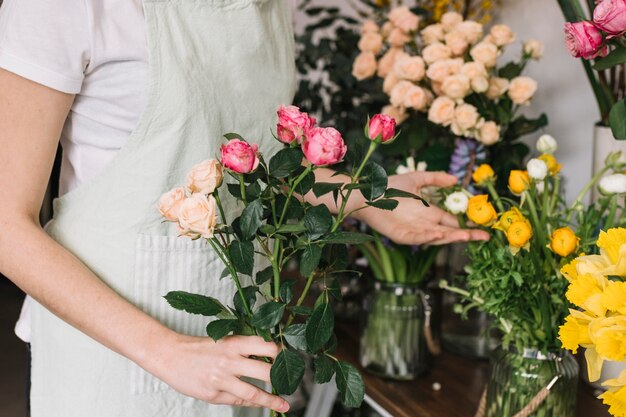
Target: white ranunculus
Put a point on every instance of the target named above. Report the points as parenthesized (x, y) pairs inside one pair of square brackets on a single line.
[(541, 187), (457, 202), (613, 184), (547, 144), (537, 169)]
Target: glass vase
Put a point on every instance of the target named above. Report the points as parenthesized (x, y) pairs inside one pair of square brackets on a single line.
[(516, 378), (392, 333)]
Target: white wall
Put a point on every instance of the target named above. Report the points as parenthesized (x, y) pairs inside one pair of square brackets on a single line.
[(564, 93)]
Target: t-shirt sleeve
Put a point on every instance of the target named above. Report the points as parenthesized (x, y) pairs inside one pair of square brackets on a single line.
[(46, 41)]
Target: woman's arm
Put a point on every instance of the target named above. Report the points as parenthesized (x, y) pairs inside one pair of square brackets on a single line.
[(31, 120)]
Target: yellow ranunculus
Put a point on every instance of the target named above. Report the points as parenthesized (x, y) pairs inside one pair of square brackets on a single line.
[(574, 333), (508, 218), (483, 174), (519, 234), (518, 181), (613, 245), (563, 241), (586, 292), (481, 211), (614, 297), (609, 337), (553, 166)]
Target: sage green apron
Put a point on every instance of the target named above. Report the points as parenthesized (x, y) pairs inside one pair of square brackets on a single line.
[(216, 66)]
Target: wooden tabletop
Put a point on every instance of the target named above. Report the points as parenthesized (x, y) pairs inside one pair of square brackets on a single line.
[(462, 381)]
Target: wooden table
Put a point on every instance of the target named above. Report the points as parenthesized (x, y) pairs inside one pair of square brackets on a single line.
[(462, 381)]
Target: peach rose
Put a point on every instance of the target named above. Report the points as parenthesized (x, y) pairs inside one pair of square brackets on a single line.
[(371, 42), (439, 70), (456, 86), (472, 31), (502, 35), (489, 133), (486, 53), (410, 68), (522, 89), (369, 26), (432, 33), (473, 69), (388, 60), (198, 216), (455, 65), (441, 111), (401, 17), (170, 202), (399, 92), (436, 52), (364, 66), (466, 116), (497, 87), (456, 42), (398, 113), (390, 82), (205, 177), (479, 84), (416, 98), (534, 49), (386, 29), (450, 20), (398, 38), (436, 87)]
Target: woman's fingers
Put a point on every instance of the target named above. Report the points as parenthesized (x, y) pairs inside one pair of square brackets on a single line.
[(437, 179), (225, 398), (252, 368), (252, 346), (254, 395)]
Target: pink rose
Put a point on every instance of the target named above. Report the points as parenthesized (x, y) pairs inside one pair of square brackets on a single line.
[(324, 146), (198, 216), (610, 16), (292, 124), (240, 156), (205, 177), (583, 39), (170, 202), (382, 125)]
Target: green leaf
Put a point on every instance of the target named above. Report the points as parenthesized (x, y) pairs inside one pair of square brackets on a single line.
[(295, 336), (384, 204), (268, 315), (510, 70), (323, 188), (523, 126), (194, 303), (219, 328), (251, 219), (301, 310), (225, 273), (335, 290), (231, 136), (319, 327), (395, 193), (253, 191), (242, 255), (376, 180), (287, 372), (348, 237), (264, 275), (318, 221), (306, 184), (286, 290), (350, 384), (310, 259), (292, 228), (285, 162), (616, 57), (324, 369), (617, 120), (249, 293)]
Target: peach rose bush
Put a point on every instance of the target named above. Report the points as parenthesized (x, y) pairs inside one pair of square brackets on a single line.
[(274, 226)]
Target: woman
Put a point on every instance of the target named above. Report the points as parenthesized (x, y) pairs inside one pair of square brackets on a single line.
[(138, 93)]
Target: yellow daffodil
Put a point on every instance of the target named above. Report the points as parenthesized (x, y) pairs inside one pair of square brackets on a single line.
[(615, 397), (608, 334), (483, 174), (507, 219), (519, 235), (569, 270), (481, 211), (518, 181), (613, 245), (563, 241), (553, 166), (614, 297), (586, 292), (574, 333)]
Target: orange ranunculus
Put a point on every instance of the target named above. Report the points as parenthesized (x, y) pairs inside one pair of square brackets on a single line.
[(519, 235), (563, 241), (508, 218), (553, 166), (518, 181), (483, 174), (481, 211)]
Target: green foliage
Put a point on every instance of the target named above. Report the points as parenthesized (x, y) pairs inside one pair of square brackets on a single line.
[(350, 384), (219, 328), (194, 303), (268, 315), (324, 369), (295, 336), (242, 255), (617, 120), (319, 327), (285, 162), (287, 372)]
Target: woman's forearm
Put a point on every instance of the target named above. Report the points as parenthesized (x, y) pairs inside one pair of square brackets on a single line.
[(355, 202)]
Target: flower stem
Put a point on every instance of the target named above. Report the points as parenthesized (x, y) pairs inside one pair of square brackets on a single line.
[(242, 188), (220, 250), (585, 190), (610, 220), (495, 196), (290, 194), (305, 291), (276, 269)]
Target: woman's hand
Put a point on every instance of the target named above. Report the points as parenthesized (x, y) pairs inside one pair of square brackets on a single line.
[(207, 370), (413, 223)]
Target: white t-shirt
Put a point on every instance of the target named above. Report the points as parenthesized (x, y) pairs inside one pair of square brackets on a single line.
[(91, 48)]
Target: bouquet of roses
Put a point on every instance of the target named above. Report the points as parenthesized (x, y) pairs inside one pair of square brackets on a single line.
[(278, 224)]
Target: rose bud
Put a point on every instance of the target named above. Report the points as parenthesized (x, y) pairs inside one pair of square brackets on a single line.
[(239, 156), (324, 146), (382, 126), (584, 40), (292, 124), (610, 16), (205, 177)]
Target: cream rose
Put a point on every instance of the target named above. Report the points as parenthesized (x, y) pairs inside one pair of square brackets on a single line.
[(364, 66), (486, 53), (388, 60), (473, 69), (398, 113), (399, 92), (390, 82), (432, 33), (441, 111), (436, 52), (170, 202), (457, 43), (439, 71), (479, 84), (472, 31), (410, 68), (466, 116), (417, 98), (522, 89), (534, 49), (398, 38), (386, 29), (456, 86), (450, 20), (401, 17), (371, 42), (205, 177), (489, 133), (369, 26), (502, 35), (497, 87), (198, 216), (455, 65)]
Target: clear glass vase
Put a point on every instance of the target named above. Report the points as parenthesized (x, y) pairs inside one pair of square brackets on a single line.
[(516, 378), (392, 333)]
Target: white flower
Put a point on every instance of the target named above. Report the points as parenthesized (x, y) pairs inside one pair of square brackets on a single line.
[(547, 144), (537, 169), (457, 202), (613, 184), (411, 166), (541, 187)]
